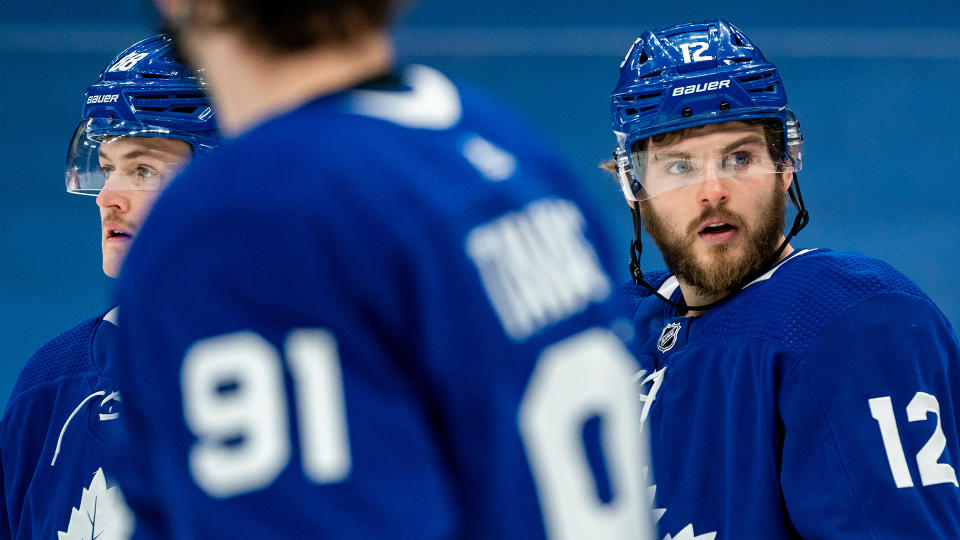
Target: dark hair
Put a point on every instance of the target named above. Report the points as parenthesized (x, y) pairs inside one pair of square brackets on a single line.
[(292, 25)]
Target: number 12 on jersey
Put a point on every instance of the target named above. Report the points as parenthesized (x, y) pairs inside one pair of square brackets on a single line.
[(931, 470)]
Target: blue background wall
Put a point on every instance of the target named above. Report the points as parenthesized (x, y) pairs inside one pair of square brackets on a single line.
[(874, 90)]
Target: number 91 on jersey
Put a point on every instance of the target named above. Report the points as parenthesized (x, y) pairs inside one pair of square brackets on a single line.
[(234, 402)]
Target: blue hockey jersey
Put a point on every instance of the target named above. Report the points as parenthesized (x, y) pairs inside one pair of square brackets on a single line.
[(819, 402), (385, 314), (54, 437)]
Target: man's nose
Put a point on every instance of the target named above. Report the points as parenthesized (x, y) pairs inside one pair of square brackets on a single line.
[(714, 188), (113, 198)]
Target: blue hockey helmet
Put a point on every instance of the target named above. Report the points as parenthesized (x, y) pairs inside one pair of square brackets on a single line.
[(144, 92), (691, 75)]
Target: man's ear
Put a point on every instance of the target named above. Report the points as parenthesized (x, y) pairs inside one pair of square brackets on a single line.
[(611, 167), (787, 179)]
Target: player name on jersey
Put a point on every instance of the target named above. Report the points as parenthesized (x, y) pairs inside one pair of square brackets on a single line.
[(537, 266)]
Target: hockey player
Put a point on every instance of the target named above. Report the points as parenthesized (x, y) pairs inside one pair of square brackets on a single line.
[(379, 311), (142, 121), (787, 393)]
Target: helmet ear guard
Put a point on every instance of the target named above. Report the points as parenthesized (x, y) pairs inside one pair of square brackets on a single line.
[(794, 139), (629, 185)]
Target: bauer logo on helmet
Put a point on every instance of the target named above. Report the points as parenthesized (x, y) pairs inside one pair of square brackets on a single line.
[(103, 98), (704, 87)]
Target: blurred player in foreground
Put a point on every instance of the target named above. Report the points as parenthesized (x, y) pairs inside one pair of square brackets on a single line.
[(142, 121), (787, 393), (377, 312)]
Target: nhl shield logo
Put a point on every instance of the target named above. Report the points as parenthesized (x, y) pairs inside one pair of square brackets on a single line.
[(668, 338)]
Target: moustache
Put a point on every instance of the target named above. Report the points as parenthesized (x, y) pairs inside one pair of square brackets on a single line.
[(116, 218)]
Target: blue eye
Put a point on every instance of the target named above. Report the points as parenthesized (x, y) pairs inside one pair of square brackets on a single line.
[(739, 160), (144, 172), (679, 167)]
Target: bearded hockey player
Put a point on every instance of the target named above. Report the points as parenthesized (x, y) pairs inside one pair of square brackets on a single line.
[(787, 393)]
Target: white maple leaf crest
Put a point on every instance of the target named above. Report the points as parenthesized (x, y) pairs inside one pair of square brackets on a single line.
[(102, 515), (688, 534)]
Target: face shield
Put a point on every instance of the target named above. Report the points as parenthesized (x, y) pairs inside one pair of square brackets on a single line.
[(123, 155), (648, 170)]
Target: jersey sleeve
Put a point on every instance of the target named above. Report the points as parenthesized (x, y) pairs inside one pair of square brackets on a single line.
[(870, 442)]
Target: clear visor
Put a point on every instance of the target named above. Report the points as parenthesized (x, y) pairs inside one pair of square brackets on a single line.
[(128, 157), (660, 171)]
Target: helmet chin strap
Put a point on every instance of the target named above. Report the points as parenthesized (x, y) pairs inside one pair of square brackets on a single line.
[(636, 248)]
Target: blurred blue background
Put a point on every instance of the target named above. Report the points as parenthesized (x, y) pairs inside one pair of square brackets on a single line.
[(874, 89)]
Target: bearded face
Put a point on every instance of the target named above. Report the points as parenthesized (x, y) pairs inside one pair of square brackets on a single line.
[(723, 265), (715, 269), (714, 203)]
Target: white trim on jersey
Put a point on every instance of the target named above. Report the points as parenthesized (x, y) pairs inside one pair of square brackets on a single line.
[(668, 286), (770, 272)]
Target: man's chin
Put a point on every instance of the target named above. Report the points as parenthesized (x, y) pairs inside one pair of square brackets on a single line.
[(719, 272), (724, 255), (112, 262)]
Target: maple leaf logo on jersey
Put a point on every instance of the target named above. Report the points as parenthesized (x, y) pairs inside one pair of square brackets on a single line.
[(688, 534), (102, 515)]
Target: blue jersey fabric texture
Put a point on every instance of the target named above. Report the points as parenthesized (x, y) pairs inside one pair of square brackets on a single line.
[(765, 413), (55, 433), (347, 216)]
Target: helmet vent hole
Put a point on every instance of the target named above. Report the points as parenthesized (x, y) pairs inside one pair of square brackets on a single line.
[(631, 111), (627, 98), (654, 74), (154, 76), (183, 110), (648, 96), (648, 108), (151, 109), (738, 41), (769, 88), (750, 79), (741, 60), (643, 57)]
